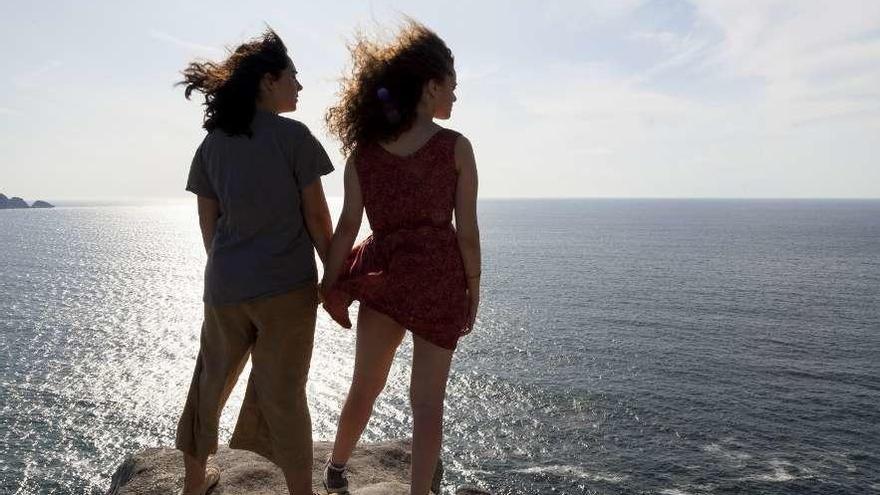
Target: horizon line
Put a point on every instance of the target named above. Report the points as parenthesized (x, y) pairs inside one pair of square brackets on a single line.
[(182, 199)]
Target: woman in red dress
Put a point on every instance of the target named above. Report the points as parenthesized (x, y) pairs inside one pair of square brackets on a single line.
[(416, 271)]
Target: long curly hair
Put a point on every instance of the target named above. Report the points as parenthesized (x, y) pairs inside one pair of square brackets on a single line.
[(379, 97), (231, 87)]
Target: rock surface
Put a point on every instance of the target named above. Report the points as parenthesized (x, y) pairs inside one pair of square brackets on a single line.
[(42, 204), (470, 490), (374, 469)]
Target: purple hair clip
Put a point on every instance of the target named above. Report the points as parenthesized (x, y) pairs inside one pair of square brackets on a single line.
[(388, 107)]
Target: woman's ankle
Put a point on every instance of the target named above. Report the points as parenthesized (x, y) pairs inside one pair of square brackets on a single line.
[(333, 464), (194, 469)]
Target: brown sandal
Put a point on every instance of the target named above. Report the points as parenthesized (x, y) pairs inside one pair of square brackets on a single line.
[(212, 477)]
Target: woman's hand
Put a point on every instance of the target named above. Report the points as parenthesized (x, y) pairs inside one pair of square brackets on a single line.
[(336, 304), (473, 306), (324, 289)]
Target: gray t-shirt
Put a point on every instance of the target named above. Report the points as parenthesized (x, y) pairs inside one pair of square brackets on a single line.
[(261, 246)]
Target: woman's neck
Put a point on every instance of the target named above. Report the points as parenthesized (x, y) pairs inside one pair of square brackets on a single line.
[(423, 124), (265, 107), (424, 115)]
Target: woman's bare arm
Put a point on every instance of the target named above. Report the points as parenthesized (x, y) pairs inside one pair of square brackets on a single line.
[(317, 217), (347, 228), (209, 212), (466, 222)]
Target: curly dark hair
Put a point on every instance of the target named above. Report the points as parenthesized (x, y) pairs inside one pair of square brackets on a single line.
[(231, 87), (378, 99)]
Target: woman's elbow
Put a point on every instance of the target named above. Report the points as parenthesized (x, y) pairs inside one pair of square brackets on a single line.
[(468, 229), (469, 237), (208, 221)]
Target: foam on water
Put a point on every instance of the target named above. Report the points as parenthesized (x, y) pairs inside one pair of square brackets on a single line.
[(575, 471)]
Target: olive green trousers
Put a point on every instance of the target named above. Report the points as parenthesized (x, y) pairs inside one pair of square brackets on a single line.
[(277, 333)]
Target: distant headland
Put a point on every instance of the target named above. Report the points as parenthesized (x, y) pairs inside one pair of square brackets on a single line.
[(16, 202)]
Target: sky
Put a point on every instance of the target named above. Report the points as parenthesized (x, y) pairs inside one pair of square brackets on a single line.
[(609, 98)]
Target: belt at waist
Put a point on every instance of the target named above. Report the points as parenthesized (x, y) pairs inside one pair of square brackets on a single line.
[(416, 230)]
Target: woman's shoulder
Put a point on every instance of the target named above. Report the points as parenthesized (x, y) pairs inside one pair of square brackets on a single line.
[(461, 149), (449, 132), (458, 140), (294, 135), (290, 127)]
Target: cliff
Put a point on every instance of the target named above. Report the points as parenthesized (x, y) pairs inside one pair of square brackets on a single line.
[(374, 469)]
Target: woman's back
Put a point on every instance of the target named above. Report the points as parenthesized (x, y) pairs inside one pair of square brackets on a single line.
[(410, 268), (412, 191), (261, 246)]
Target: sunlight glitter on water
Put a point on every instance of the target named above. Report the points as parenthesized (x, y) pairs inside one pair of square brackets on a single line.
[(640, 346), (125, 312)]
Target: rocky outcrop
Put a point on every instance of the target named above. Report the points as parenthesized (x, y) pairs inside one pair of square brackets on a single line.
[(374, 469), (16, 202)]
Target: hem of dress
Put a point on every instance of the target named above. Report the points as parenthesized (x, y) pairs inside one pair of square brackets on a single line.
[(397, 318)]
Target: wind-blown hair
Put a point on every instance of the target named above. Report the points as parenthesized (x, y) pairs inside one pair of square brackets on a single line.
[(231, 87), (378, 99)]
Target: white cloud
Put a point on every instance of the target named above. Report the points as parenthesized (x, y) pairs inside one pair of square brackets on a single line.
[(678, 51), (786, 98), (593, 103), (816, 60)]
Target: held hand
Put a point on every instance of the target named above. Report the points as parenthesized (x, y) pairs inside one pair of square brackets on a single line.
[(473, 306), (335, 305), (322, 291)]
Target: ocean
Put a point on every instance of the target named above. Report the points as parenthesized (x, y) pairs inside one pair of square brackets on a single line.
[(623, 347)]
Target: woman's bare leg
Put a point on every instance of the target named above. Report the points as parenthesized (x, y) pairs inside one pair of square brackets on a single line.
[(378, 337), (427, 390)]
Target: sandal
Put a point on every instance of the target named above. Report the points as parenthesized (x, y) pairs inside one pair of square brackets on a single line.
[(212, 477)]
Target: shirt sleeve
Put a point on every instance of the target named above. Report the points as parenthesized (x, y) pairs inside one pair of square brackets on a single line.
[(198, 182), (310, 161)]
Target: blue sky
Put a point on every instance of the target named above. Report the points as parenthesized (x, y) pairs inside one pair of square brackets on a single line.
[(619, 98)]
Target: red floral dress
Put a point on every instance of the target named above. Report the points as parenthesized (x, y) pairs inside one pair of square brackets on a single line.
[(410, 268)]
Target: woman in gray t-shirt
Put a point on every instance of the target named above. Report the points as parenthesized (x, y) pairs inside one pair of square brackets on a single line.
[(262, 213)]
